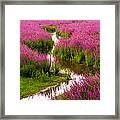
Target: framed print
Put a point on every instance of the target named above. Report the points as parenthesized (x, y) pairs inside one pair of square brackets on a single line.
[(60, 59)]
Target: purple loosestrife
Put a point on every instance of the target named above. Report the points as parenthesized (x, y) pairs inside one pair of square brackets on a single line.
[(32, 55), (88, 90), (53, 22), (85, 34), (31, 30)]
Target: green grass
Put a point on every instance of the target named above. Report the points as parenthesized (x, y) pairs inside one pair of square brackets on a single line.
[(30, 86)]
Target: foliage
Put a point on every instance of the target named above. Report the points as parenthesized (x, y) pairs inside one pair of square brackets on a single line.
[(59, 33), (34, 69), (50, 28), (62, 34), (78, 60), (43, 46)]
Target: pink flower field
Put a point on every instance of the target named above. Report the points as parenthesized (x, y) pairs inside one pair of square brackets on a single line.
[(60, 59)]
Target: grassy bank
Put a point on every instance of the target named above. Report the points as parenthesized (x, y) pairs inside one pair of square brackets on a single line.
[(30, 86)]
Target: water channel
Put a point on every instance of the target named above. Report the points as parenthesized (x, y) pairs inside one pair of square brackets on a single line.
[(56, 90)]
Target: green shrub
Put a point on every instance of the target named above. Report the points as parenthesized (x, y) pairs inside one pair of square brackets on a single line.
[(90, 59), (43, 46), (43, 66), (78, 60), (70, 54), (34, 69), (27, 70), (63, 34), (50, 28)]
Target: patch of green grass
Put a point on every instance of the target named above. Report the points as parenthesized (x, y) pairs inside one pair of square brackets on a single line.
[(30, 86)]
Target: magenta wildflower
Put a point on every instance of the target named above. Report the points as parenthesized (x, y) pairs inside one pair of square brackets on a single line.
[(32, 55)]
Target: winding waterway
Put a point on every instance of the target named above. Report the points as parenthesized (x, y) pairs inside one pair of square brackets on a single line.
[(56, 90)]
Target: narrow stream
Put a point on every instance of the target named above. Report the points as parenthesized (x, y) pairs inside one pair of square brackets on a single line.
[(49, 92), (56, 90)]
